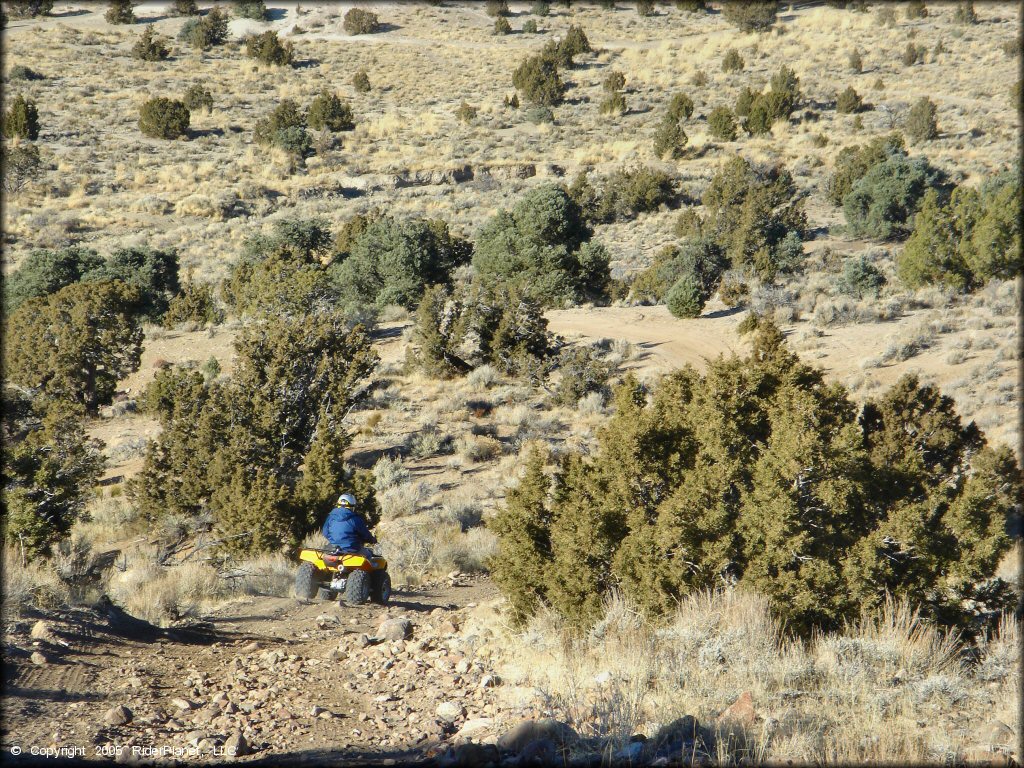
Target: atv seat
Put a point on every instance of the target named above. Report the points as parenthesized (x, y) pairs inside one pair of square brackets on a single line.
[(333, 559)]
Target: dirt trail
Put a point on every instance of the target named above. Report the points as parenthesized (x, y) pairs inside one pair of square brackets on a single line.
[(666, 342), (305, 682)]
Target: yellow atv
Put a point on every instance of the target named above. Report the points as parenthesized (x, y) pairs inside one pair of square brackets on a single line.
[(326, 574)]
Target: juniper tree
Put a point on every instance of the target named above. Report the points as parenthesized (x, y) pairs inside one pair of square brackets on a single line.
[(361, 81), (631, 190), (44, 272), (744, 101), (285, 128), (994, 249), (21, 120), (916, 10), (149, 47), (184, 8), (326, 474), (283, 273), (764, 109), (197, 97), (207, 31), (538, 80), (268, 49), (539, 245), (196, 304), (328, 111), (49, 469), (392, 261), (482, 322), (76, 344), (360, 22), (965, 13), (859, 278), (853, 162), (582, 372), (522, 527), (20, 165), (517, 342), (966, 241), (250, 9), (613, 81), (594, 511), (732, 62), (932, 253), (162, 118), (120, 12), (584, 532), (750, 213), (236, 448), (350, 231), (670, 139), (291, 369), (21, 9), (575, 42), (684, 298), (153, 271), (848, 101), (721, 124), (882, 202), (750, 16), (698, 259), (920, 123), (759, 472), (437, 334), (810, 468), (613, 104)]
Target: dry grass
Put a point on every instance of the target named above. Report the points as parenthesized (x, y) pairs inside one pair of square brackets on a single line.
[(163, 594), (420, 548), (890, 688), (29, 583)]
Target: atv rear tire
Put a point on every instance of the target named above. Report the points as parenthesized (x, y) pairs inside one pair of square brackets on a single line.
[(306, 581), (326, 594), (380, 587), (357, 588)]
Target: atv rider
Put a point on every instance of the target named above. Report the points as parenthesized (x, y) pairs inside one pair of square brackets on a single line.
[(346, 529)]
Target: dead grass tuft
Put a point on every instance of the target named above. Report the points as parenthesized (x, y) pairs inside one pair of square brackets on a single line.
[(889, 688), (29, 583)]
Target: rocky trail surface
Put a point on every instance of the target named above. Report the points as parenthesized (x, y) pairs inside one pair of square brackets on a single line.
[(266, 680)]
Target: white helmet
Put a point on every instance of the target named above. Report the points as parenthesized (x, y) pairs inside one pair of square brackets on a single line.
[(347, 500)]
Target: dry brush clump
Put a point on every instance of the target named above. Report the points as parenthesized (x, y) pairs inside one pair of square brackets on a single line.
[(29, 583), (165, 593), (360, 22), (888, 686), (421, 547)]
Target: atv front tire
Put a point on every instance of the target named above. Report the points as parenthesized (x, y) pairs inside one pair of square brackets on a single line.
[(306, 581), (380, 587), (357, 588)]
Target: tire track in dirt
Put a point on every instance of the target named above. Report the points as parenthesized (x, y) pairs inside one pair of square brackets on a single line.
[(67, 679)]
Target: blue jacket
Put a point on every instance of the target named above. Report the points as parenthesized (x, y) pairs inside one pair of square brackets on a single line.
[(347, 530)]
